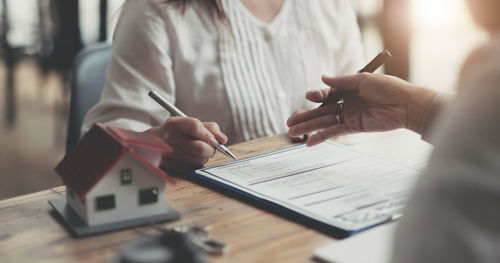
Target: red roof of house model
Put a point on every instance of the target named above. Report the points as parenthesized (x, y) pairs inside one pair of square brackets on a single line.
[(99, 150)]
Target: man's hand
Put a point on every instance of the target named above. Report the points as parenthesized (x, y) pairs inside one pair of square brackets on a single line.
[(301, 137), (371, 103)]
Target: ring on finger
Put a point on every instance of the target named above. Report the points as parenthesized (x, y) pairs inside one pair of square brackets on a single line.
[(340, 103), (337, 117)]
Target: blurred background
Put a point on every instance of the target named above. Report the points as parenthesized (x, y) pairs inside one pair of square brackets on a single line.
[(39, 40)]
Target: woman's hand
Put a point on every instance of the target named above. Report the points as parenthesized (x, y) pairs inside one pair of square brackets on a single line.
[(192, 142), (371, 103)]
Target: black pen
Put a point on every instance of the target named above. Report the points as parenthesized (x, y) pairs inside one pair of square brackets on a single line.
[(382, 58), (176, 112)]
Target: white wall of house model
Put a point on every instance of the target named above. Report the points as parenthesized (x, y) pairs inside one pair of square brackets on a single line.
[(126, 192)]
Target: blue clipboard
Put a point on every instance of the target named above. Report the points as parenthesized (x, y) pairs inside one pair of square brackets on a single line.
[(270, 206)]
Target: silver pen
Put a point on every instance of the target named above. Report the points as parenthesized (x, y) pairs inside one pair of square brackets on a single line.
[(176, 112)]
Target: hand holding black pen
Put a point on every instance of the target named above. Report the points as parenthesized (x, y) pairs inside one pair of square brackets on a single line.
[(382, 58), (361, 103)]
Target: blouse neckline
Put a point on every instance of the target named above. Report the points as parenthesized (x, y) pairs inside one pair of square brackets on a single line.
[(273, 23)]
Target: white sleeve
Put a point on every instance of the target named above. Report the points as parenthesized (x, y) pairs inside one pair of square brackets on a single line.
[(454, 215), (140, 61)]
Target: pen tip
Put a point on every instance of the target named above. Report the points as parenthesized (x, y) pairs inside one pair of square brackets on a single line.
[(230, 154), (223, 149)]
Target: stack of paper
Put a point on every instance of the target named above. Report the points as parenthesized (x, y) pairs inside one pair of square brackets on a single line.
[(372, 246)]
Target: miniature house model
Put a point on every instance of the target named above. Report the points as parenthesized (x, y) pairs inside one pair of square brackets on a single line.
[(112, 176)]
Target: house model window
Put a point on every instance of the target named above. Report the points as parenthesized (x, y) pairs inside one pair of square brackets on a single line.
[(126, 176), (106, 202), (148, 196)]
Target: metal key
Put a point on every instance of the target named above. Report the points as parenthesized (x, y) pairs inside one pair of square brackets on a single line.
[(201, 238)]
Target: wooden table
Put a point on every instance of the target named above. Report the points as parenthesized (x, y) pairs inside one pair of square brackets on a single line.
[(30, 233)]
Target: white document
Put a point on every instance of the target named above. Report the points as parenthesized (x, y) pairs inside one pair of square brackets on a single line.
[(400, 146), (374, 246), (330, 183)]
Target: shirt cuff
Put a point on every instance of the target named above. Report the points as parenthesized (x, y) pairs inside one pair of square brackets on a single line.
[(432, 116)]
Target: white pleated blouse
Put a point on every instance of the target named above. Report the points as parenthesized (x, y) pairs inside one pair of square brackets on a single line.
[(246, 75)]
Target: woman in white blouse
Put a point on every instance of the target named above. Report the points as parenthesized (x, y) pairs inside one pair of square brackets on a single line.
[(241, 65)]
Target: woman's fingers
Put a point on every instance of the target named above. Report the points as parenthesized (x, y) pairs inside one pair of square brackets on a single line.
[(192, 142), (189, 150), (190, 127), (190, 146), (215, 130), (195, 148), (187, 154)]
